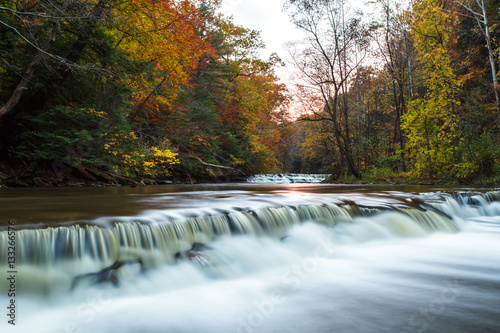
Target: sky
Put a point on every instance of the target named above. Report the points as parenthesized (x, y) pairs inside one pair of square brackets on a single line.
[(267, 17)]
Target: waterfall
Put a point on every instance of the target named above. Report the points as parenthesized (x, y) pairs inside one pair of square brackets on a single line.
[(287, 178), (80, 249), (261, 260)]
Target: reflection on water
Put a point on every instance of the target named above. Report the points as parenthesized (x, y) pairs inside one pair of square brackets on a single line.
[(54, 205)]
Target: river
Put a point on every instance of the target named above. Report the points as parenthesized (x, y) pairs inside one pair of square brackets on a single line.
[(250, 258)]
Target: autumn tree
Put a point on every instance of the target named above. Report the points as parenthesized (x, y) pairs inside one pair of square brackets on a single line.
[(479, 11), (431, 121), (336, 44), (373, 120), (234, 105), (115, 66), (171, 37), (395, 48), (425, 103)]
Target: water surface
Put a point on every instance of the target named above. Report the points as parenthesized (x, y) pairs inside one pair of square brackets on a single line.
[(277, 258)]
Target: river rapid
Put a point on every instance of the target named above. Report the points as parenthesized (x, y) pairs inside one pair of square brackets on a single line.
[(251, 258)]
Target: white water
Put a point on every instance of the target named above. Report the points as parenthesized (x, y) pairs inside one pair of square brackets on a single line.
[(383, 273), (287, 178)]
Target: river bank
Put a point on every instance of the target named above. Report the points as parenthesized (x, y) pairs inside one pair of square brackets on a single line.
[(405, 178), (64, 176)]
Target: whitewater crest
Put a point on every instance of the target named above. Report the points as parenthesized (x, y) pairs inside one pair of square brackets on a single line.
[(287, 178)]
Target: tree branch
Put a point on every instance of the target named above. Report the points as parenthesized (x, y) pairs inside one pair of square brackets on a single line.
[(213, 165)]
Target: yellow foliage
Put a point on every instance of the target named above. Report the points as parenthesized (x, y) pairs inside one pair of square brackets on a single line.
[(147, 161), (158, 161), (94, 113), (430, 122)]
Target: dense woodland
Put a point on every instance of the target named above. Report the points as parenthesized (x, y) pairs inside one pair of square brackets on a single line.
[(408, 94), (120, 91)]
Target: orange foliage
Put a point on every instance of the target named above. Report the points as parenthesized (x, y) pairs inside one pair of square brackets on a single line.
[(169, 36)]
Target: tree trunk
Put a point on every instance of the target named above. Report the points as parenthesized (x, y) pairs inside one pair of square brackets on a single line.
[(28, 74), (491, 56), (344, 151), (350, 163), (63, 71), (483, 25), (21, 87)]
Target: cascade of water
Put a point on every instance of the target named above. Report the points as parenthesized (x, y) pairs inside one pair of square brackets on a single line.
[(468, 204), (89, 248), (287, 178), (431, 221)]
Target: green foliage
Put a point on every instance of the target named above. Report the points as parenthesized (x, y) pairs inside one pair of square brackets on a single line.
[(73, 136), (485, 154)]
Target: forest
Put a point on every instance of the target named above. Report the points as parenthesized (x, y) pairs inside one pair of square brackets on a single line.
[(128, 91)]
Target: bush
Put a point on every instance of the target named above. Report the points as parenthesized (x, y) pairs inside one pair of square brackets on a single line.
[(69, 135)]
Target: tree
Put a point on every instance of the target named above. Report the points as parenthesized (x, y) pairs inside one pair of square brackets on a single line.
[(425, 103), (395, 47), (478, 10), (431, 122), (171, 37), (234, 105), (35, 27), (136, 88), (88, 58), (336, 44)]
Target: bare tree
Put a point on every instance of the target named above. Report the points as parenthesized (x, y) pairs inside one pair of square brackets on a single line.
[(395, 47), (335, 46)]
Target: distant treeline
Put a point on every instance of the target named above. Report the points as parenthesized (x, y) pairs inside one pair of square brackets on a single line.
[(410, 92)]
